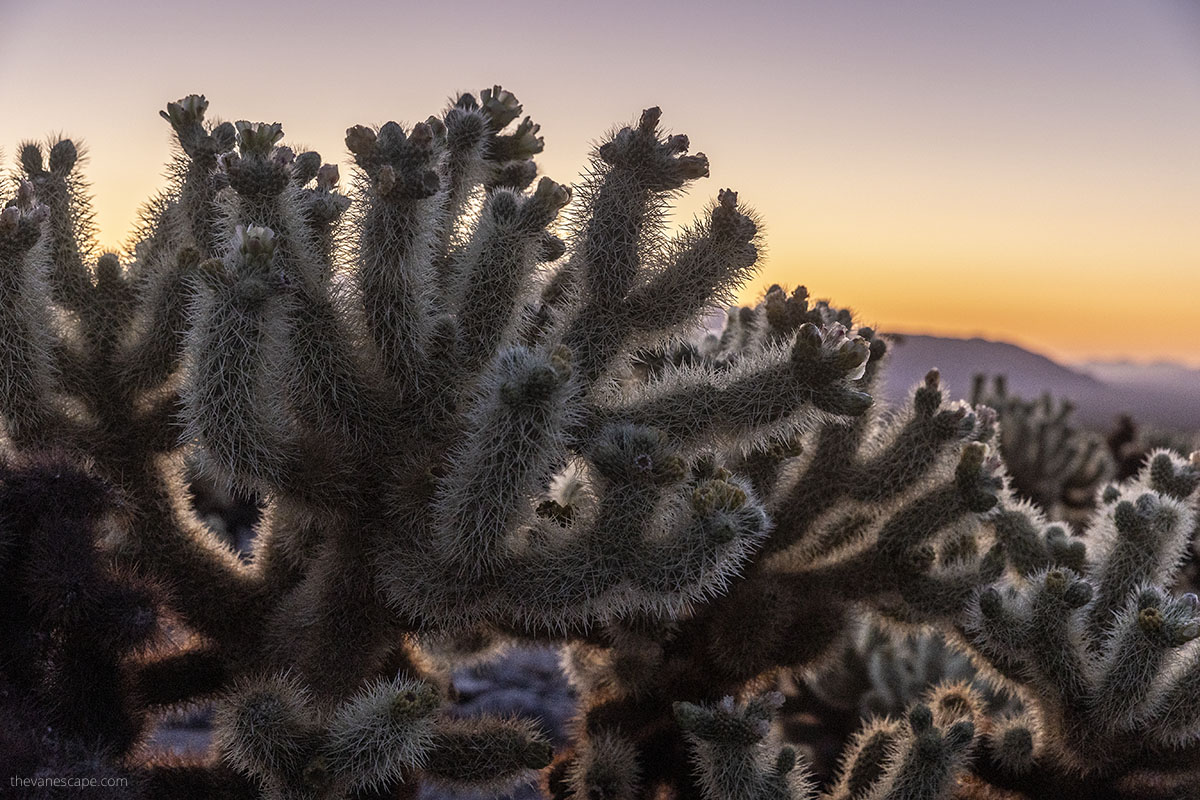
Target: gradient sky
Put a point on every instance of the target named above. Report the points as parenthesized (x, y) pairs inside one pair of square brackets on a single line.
[(1023, 170)]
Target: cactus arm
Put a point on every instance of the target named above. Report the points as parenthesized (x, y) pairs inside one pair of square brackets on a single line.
[(395, 246), (27, 348), (496, 263)]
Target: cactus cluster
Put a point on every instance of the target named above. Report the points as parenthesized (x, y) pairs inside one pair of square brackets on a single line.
[(474, 417), (905, 518), (1049, 459)]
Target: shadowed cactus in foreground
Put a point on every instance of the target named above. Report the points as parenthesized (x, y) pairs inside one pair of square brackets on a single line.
[(468, 431)]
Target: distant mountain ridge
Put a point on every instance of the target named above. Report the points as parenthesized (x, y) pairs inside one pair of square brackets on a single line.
[(1159, 394), (1162, 374)]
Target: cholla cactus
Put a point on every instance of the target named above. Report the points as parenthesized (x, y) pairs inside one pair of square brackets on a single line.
[(902, 516), (1050, 461), (1103, 651), (404, 389), (466, 429), (859, 507), (922, 758), (85, 657), (1130, 443), (1097, 668), (881, 671)]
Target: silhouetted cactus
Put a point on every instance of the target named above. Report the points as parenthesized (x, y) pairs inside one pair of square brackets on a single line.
[(466, 430), (881, 671), (1052, 463), (403, 399), (87, 654), (1129, 444)]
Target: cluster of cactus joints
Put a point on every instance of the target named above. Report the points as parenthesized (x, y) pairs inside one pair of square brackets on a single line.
[(1049, 460), (405, 375), (881, 672), (924, 756), (1102, 652), (868, 512), (905, 517), (466, 428)]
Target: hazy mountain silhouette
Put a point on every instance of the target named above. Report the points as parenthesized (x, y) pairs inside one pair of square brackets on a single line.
[(1164, 375), (1159, 394)]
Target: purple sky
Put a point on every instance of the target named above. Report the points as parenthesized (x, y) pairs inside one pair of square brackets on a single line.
[(1023, 170)]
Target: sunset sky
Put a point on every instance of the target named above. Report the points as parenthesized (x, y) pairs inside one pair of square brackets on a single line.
[(1023, 170)]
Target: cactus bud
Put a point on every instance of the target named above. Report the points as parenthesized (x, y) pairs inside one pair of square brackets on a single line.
[(63, 157), (851, 355), (500, 107), (257, 138), (808, 340), (284, 157), (554, 195), (255, 243), (9, 218), (716, 495), (678, 143), (360, 141), (692, 167), (1186, 633), (1056, 581), (305, 167), (437, 127), (31, 159), (386, 180), (327, 177), (185, 113), (415, 701), (26, 196), (648, 122), (1150, 620)]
